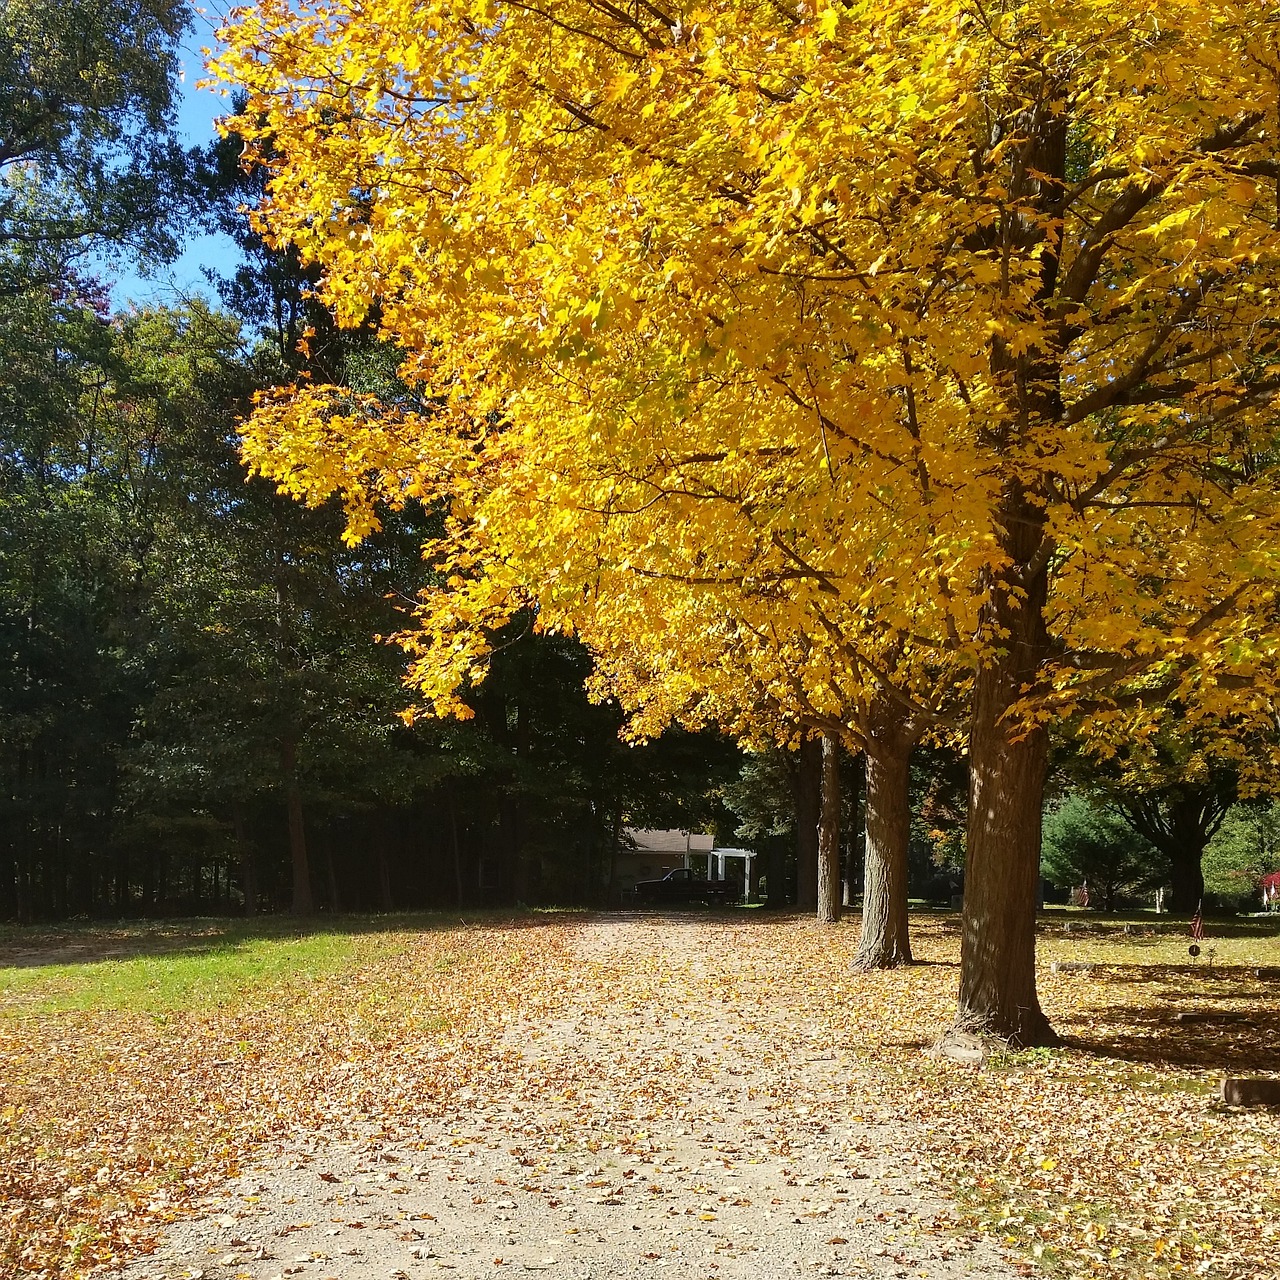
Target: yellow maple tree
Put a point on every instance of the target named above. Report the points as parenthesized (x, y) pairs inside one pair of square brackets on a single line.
[(937, 330)]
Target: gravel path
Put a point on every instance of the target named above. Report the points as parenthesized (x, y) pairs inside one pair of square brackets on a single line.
[(673, 1120)]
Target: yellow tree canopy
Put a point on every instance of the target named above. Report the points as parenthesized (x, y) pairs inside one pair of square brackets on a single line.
[(802, 294), (940, 334)]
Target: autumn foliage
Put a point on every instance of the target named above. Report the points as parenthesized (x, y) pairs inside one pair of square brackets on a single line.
[(929, 347)]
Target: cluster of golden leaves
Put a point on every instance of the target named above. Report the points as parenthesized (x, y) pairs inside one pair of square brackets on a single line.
[(781, 313)]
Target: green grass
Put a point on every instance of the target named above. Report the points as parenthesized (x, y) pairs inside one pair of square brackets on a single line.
[(221, 970), (169, 966)]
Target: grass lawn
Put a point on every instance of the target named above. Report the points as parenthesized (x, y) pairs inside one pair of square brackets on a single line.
[(140, 1063), (164, 971)]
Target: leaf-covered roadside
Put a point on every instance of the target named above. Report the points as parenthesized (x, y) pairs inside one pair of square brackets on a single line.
[(114, 1122), (1111, 1156)]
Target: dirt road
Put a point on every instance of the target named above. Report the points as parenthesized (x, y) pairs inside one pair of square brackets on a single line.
[(675, 1116)]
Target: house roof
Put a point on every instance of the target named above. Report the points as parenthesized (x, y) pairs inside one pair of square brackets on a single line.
[(646, 840)]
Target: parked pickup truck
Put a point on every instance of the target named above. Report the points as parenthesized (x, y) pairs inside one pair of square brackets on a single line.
[(681, 885)]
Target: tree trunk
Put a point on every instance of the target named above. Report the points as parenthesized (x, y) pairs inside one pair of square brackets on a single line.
[(855, 841), (611, 894), (886, 938), (457, 853), (829, 834), (1007, 766), (331, 871), (808, 813), (248, 867), (1186, 878), (1180, 821), (122, 893), (303, 901), (1189, 832), (998, 953), (385, 901)]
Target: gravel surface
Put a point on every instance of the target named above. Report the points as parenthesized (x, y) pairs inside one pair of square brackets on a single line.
[(671, 1120)]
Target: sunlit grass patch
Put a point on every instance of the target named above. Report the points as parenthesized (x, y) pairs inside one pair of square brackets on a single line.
[(231, 970), (131, 1082)]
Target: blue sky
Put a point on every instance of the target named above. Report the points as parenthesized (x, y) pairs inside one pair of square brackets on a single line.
[(196, 114)]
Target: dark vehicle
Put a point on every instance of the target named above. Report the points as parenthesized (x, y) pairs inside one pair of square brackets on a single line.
[(681, 885)]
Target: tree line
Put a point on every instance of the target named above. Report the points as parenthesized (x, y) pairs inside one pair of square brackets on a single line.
[(196, 712)]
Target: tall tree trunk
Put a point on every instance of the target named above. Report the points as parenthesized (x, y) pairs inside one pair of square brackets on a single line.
[(855, 842), (829, 834), (808, 813), (886, 937), (303, 901), (1186, 878), (248, 866), (457, 852), (1189, 827), (611, 892), (147, 887), (331, 871), (1007, 767), (122, 895), (385, 901)]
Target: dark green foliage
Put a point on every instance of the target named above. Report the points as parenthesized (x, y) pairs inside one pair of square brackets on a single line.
[(1085, 843), (87, 152), (1245, 849), (196, 706), (195, 713)]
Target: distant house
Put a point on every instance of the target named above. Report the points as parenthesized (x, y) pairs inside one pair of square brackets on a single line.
[(648, 855)]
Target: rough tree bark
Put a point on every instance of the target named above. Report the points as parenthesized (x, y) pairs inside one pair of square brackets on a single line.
[(829, 834), (808, 784), (888, 739), (1007, 767)]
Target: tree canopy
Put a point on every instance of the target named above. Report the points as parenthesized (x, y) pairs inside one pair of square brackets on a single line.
[(938, 336)]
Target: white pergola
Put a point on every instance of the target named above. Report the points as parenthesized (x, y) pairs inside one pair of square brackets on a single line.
[(716, 865)]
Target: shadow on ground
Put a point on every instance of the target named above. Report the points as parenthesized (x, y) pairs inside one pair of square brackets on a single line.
[(36, 946)]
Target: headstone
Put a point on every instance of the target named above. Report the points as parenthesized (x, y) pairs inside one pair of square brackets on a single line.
[(1211, 1015), (1072, 966), (1268, 973), (957, 902), (1251, 1093)]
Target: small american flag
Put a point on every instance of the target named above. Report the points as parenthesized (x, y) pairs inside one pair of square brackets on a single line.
[(1197, 924)]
